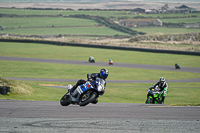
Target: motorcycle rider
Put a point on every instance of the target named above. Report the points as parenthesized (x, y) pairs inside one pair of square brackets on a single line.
[(162, 84), (102, 75)]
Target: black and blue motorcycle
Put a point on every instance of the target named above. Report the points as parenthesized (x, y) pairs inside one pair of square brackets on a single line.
[(84, 94)]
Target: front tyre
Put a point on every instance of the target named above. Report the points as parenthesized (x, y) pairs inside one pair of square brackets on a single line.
[(87, 98), (149, 100), (64, 100)]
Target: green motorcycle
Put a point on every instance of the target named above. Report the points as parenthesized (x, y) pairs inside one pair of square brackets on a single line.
[(154, 96)]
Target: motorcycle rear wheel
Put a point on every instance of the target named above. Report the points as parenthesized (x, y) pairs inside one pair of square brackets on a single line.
[(87, 98)]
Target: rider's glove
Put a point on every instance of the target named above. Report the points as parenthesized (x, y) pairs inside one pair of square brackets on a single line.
[(93, 76), (89, 77)]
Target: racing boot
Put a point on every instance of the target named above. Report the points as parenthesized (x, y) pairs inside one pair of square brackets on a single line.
[(163, 98), (69, 87)]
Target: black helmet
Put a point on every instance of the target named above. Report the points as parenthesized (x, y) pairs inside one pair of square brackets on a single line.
[(103, 73)]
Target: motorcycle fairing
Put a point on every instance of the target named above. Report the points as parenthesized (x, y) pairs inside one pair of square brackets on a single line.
[(84, 87)]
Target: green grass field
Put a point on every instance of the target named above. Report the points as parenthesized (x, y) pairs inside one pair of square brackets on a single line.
[(57, 12), (9, 23), (67, 30), (114, 14), (51, 26), (179, 93), (165, 30), (182, 20), (45, 22)]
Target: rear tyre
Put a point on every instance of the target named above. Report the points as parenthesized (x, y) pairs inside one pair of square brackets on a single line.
[(87, 98), (64, 100)]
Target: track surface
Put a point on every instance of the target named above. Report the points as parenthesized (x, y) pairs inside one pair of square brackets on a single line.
[(46, 116)]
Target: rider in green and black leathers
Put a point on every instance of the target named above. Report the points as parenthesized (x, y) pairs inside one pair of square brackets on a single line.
[(162, 84)]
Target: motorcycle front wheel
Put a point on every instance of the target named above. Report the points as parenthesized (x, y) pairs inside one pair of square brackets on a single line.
[(149, 100), (64, 100), (87, 98)]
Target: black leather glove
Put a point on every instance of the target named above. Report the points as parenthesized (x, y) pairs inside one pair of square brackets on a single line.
[(93, 76)]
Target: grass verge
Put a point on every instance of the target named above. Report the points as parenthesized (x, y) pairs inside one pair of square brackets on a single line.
[(180, 94), (192, 104), (17, 87)]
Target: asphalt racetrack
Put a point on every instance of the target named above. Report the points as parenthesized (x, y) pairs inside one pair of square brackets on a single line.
[(48, 116)]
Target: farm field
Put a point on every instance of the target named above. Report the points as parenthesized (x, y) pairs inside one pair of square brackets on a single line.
[(66, 30), (99, 13), (132, 93), (113, 15), (182, 20), (164, 30), (45, 22), (52, 26), (73, 28)]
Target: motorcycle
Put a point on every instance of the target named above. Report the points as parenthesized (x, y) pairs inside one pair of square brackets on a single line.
[(154, 96), (84, 94)]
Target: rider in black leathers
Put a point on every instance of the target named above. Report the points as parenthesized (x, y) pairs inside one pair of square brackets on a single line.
[(102, 75)]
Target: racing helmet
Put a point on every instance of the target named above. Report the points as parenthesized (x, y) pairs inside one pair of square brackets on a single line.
[(162, 80), (103, 73)]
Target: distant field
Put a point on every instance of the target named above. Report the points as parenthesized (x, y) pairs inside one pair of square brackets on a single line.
[(114, 14), (164, 30), (10, 24), (65, 30), (63, 12), (45, 22), (182, 20), (51, 26)]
